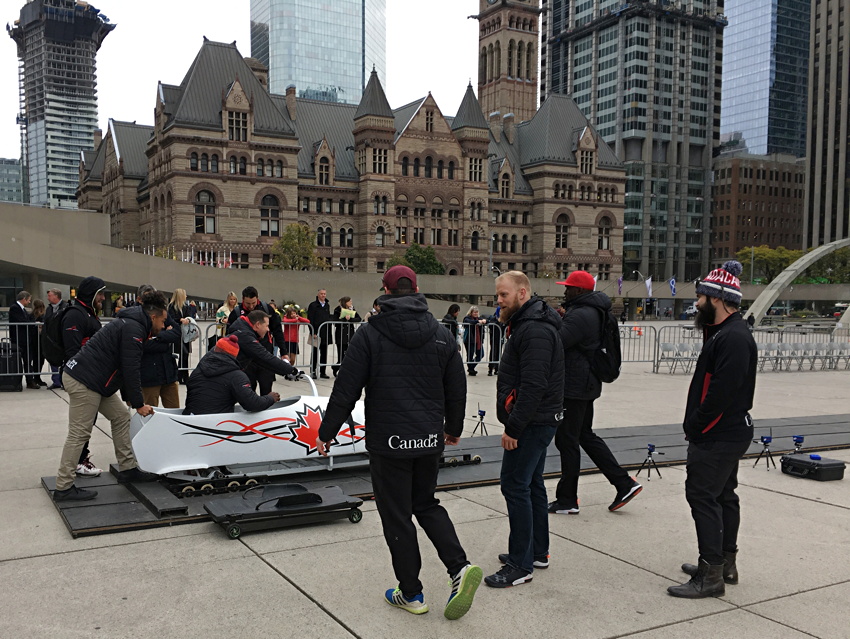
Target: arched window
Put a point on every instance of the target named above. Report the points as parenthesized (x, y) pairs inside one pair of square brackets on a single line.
[(205, 162), (429, 167), (506, 185), (451, 170), (243, 166), (614, 194), (557, 190), (505, 243), (491, 59), (603, 242), (440, 167), (495, 242), (323, 236), (570, 192), (278, 169), (519, 51), (482, 66), (193, 162), (405, 166), (599, 194), (214, 164), (529, 58), (498, 64), (379, 236), (511, 47), (261, 168), (474, 241), (416, 167), (525, 245), (205, 213), (513, 243), (270, 217), (324, 171), (562, 231), (349, 238), (377, 204), (384, 205)]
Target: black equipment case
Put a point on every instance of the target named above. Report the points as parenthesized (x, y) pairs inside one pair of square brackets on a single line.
[(812, 467), (11, 367)]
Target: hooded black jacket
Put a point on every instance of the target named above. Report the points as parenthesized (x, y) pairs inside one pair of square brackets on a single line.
[(531, 369), (80, 321), (413, 374), (217, 383), (158, 364), (254, 352), (110, 360), (581, 333), (723, 385)]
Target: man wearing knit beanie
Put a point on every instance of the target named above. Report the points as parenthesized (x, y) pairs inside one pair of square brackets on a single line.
[(218, 382), (719, 430)]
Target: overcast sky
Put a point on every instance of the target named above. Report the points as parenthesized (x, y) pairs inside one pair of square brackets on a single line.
[(431, 46)]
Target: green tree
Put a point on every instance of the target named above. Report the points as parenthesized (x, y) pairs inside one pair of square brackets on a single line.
[(831, 269), (398, 258), (421, 259), (768, 262), (295, 250)]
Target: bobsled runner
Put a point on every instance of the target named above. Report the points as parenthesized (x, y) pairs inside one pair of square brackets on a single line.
[(182, 446), (279, 505)]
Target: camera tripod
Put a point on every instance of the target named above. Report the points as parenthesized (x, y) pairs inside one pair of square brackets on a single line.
[(765, 451), (649, 462), (480, 423)]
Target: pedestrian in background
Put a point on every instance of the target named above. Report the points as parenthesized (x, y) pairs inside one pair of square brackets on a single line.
[(291, 331), (474, 339), (345, 317), (319, 313), (55, 305), (36, 362), (178, 309)]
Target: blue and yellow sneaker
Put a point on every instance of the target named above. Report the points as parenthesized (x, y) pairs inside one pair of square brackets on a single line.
[(464, 584), (415, 604)]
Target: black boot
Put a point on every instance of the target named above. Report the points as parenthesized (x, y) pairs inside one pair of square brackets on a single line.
[(730, 570), (707, 582)]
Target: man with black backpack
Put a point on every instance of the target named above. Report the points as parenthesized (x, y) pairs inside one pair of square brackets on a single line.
[(591, 354)]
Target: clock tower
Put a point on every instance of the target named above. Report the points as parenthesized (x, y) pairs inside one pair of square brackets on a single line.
[(508, 46)]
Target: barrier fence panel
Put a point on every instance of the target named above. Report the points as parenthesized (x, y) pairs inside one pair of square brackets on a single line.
[(638, 342)]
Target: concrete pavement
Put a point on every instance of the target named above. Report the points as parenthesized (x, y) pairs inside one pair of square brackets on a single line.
[(608, 574)]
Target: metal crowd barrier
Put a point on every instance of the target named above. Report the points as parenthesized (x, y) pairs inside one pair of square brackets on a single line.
[(779, 349)]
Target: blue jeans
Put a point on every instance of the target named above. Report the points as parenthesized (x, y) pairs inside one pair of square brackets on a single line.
[(525, 495)]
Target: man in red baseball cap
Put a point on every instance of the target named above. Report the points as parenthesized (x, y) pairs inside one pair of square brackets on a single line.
[(581, 334)]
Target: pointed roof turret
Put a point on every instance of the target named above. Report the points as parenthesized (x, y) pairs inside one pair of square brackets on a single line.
[(469, 112), (374, 100)]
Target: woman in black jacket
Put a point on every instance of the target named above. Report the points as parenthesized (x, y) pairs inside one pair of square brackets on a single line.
[(343, 333), (178, 309)]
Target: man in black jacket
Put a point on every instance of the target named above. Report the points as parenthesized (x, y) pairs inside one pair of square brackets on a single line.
[(719, 430), (251, 302), (19, 334), (79, 324), (581, 334), (415, 403), (109, 362), (255, 358), (528, 403), (319, 312), (217, 383), (55, 305)]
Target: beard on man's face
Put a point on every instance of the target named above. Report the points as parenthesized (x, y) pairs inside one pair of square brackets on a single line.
[(706, 314), (507, 311)]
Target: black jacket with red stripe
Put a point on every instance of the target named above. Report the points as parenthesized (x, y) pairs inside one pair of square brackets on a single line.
[(724, 382)]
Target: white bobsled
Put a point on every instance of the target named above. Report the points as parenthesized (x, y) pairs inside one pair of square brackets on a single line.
[(169, 441)]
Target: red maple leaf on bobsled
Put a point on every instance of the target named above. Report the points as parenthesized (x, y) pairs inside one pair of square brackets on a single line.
[(305, 431)]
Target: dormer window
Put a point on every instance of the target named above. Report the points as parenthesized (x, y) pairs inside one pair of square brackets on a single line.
[(586, 161), (506, 185), (429, 121), (324, 171), (237, 126)]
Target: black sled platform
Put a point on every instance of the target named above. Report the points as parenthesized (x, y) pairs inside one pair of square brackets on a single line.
[(280, 505)]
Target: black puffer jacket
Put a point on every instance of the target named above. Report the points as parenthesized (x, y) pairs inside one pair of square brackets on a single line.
[(254, 352), (531, 370), (413, 374), (275, 325), (217, 383), (158, 364), (581, 332), (723, 385), (111, 359), (318, 315), (81, 321), (450, 322)]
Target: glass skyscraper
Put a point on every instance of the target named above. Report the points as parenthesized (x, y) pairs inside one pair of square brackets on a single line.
[(326, 48), (648, 76), (765, 72)]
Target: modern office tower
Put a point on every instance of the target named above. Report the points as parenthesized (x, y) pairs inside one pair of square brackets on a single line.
[(765, 67), (648, 76), (57, 44), (326, 49), (11, 182), (827, 216), (757, 200)]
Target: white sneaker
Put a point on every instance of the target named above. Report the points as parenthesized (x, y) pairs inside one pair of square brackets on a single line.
[(88, 469)]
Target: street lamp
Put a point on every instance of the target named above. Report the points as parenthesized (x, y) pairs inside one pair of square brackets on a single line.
[(342, 266), (496, 270)]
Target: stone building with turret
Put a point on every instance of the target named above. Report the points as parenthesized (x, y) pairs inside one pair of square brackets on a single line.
[(229, 165)]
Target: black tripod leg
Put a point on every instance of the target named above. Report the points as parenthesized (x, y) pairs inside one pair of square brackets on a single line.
[(654, 465), (771, 461), (758, 458), (642, 466)]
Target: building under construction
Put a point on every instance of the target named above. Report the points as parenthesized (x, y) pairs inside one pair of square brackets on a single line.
[(57, 44)]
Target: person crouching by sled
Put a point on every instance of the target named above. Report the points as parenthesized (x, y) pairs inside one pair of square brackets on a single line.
[(255, 351), (217, 383), (291, 330), (109, 362)]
